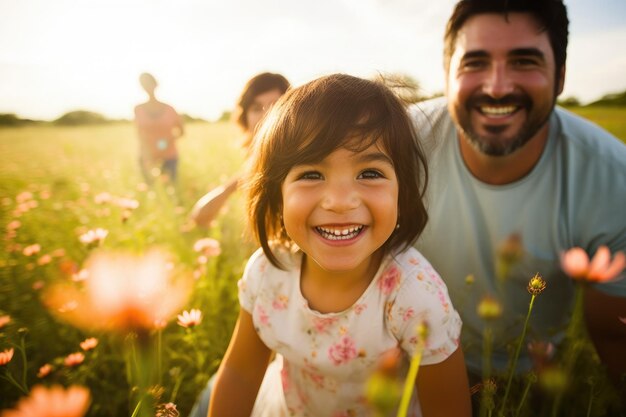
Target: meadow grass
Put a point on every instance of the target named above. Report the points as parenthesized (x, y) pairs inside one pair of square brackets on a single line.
[(50, 180)]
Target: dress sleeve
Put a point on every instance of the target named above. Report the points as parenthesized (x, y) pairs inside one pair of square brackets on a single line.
[(250, 282), (422, 298)]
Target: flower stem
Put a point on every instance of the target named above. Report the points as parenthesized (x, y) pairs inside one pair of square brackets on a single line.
[(12, 380), (159, 356), (23, 352), (409, 384), (531, 380), (516, 356)]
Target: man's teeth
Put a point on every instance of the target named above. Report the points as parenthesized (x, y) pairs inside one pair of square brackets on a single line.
[(497, 111), (339, 233)]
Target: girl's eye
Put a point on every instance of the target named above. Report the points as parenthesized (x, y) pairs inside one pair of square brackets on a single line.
[(371, 174), (310, 175)]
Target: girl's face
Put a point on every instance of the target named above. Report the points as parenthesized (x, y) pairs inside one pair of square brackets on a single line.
[(260, 105), (341, 210)]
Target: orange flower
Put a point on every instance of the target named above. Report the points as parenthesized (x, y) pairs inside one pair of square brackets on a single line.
[(4, 320), (44, 371), (74, 359), (6, 356), (55, 401), (190, 318), (89, 344), (122, 292), (575, 263)]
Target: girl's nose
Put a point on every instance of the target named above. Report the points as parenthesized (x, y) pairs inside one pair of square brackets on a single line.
[(340, 196)]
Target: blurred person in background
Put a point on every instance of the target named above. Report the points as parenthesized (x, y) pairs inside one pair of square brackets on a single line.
[(258, 96), (158, 128)]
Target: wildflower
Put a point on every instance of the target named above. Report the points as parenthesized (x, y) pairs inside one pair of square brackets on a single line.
[(553, 380), (536, 285), (4, 320), (509, 252), (52, 402), (190, 318), (127, 203), (123, 293), (74, 359), (470, 279), (575, 263), (383, 389), (24, 197), (93, 237), (207, 246), (6, 356), (44, 371), (44, 260), (58, 253), (489, 308), (31, 250), (167, 410), (14, 225), (102, 198), (89, 344), (540, 353)]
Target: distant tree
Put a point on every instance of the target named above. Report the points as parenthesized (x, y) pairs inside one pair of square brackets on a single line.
[(405, 87), (80, 117), (225, 117), (11, 119), (613, 99), (187, 118), (569, 102)]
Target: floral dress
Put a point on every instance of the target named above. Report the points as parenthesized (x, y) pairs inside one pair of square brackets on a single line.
[(324, 360)]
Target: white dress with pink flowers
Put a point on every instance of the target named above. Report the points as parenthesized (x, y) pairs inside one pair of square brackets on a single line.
[(325, 359)]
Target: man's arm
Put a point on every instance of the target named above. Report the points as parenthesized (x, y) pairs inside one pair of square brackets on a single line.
[(607, 332)]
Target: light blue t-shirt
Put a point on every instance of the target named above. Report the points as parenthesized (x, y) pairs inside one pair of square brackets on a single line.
[(574, 196)]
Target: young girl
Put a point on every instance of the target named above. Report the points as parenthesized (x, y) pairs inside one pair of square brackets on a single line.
[(334, 198)]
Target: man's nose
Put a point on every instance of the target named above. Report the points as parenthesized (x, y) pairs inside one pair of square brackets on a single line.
[(498, 82)]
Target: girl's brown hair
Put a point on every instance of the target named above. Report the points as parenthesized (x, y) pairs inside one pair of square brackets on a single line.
[(310, 122)]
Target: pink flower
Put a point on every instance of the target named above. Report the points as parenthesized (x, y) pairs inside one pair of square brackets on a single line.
[(6, 356), (127, 203), (102, 198), (4, 320), (575, 263), (389, 280), (190, 318), (93, 237), (44, 371), (31, 249), (343, 351), (207, 246), (74, 359), (89, 344), (123, 292), (55, 401)]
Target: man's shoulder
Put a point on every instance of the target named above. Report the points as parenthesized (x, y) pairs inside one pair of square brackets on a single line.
[(589, 139)]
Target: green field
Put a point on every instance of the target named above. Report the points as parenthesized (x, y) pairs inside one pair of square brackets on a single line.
[(51, 179)]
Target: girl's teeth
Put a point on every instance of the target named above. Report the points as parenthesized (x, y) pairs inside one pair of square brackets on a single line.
[(339, 234)]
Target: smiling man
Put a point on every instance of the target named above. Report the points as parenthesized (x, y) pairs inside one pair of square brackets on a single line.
[(506, 165)]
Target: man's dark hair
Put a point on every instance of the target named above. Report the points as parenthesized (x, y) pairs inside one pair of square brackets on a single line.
[(550, 14)]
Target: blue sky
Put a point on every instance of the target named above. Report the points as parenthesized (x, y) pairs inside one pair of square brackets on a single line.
[(61, 55)]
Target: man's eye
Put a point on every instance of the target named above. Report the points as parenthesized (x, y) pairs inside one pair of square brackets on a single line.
[(371, 174), (474, 64), (524, 62)]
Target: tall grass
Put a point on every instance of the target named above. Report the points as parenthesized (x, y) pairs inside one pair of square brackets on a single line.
[(50, 180)]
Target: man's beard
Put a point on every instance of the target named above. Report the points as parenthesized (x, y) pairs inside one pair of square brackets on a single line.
[(500, 145)]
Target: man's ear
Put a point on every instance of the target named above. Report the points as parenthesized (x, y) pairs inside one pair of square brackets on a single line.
[(560, 82)]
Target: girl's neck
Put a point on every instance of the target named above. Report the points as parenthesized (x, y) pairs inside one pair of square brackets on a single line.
[(336, 291)]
